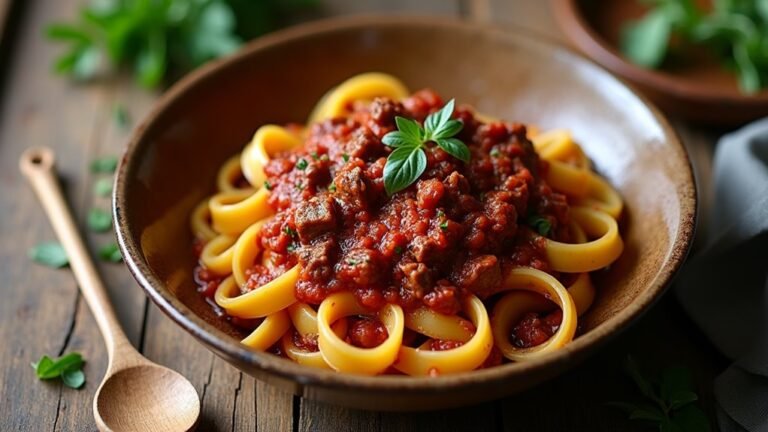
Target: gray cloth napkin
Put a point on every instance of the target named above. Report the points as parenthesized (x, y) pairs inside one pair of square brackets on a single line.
[(724, 287)]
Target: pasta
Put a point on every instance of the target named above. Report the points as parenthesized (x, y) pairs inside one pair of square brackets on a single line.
[(485, 257)]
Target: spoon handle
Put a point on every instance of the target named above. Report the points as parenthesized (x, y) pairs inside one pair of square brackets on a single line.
[(37, 164)]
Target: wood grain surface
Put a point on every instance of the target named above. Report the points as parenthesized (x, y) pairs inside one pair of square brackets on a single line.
[(42, 313)]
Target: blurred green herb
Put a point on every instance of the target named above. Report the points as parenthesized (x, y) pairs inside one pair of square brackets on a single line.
[(736, 31), (156, 39), (50, 254), (68, 368), (110, 253), (670, 404), (107, 164), (103, 187), (122, 118), (99, 220), (542, 225)]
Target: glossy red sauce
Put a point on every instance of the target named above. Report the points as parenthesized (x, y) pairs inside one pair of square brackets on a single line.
[(455, 231)]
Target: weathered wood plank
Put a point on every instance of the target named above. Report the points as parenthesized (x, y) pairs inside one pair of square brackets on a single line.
[(274, 409), (39, 307)]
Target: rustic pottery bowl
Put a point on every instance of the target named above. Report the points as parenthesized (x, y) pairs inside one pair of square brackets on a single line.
[(697, 88), (171, 162)]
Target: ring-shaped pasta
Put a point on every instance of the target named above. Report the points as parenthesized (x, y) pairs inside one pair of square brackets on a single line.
[(269, 331), (200, 224), (344, 357), (592, 255), (234, 211), (262, 301), (268, 140), (364, 87), (558, 144), (466, 357), (438, 326), (229, 173), (568, 179), (304, 320), (601, 196), (510, 309), (245, 251), (217, 254)]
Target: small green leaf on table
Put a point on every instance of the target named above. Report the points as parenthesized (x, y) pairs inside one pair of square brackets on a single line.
[(50, 254)]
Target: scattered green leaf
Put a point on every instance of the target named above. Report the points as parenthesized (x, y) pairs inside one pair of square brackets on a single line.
[(542, 225), (68, 368), (51, 254), (301, 164), (672, 403), (99, 220), (110, 253), (103, 187), (106, 165)]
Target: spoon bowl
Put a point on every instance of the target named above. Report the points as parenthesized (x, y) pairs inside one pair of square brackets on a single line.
[(140, 398)]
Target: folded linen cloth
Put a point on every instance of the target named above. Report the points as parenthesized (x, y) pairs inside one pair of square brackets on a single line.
[(724, 288)]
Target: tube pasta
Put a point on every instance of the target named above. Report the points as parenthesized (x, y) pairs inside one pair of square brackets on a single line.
[(229, 224)]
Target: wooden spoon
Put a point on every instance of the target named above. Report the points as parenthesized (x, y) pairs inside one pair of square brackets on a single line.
[(136, 394)]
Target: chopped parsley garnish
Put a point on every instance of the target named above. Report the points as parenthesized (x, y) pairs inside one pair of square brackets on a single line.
[(495, 153), (398, 250), (267, 185), (408, 161), (352, 262), (345, 157), (444, 225), (299, 186), (301, 164), (314, 155), (332, 187), (290, 231), (292, 247), (69, 368)]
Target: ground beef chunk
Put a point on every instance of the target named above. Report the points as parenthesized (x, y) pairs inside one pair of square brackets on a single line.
[(361, 267), (317, 258), (315, 217), (480, 275), (444, 298), (418, 279)]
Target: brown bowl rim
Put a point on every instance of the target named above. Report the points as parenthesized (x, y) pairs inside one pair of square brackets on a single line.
[(572, 21), (221, 343)]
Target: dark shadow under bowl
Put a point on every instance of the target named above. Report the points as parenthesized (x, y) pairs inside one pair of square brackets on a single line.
[(171, 163)]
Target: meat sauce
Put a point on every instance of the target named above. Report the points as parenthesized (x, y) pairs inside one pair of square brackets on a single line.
[(455, 231)]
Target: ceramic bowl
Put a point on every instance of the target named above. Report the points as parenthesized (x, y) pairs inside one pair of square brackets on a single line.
[(171, 162), (698, 88)]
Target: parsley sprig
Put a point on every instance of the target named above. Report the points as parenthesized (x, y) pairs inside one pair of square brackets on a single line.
[(408, 161), (670, 404)]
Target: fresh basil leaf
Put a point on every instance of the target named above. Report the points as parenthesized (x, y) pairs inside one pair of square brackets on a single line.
[(110, 253), (404, 166), (65, 32), (646, 412), (99, 220), (749, 77), (102, 187), (398, 139), (48, 369), (87, 63), (51, 254), (106, 164), (66, 62), (74, 378), (645, 41), (455, 148), (447, 130), (435, 120), (409, 127), (691, 418), (674, 380), (762, 9), (642, 383), (121, 116), (150, 64)]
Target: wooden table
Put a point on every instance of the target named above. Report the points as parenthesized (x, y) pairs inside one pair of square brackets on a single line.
[(41, 311)]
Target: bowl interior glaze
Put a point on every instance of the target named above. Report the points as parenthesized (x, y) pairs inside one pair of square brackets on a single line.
[(172, 160)]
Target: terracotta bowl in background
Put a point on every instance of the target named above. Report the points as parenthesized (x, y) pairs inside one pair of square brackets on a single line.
[(172, 159), (697, 87)]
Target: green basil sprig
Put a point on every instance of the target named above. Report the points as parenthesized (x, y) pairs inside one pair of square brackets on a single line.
[(408, 161)]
